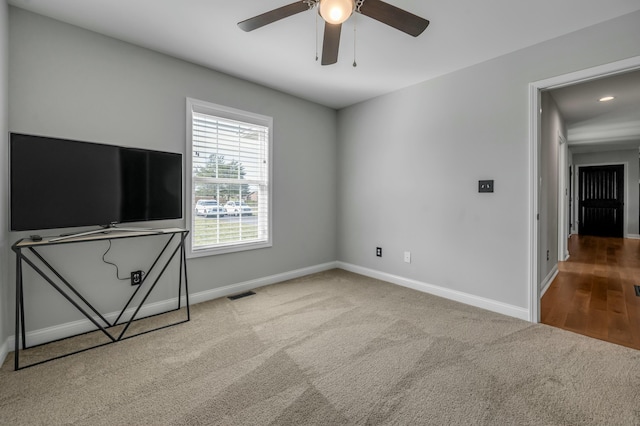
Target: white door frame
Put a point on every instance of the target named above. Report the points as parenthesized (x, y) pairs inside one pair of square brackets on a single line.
[(534, 158), (563, 198)]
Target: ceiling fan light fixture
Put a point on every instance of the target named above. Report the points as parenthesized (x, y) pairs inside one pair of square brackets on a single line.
[(336, 11)]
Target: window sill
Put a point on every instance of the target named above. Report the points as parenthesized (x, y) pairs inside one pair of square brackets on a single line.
[(234, 248)]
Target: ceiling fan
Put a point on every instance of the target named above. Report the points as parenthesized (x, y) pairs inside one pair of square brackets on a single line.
[(334, 13)]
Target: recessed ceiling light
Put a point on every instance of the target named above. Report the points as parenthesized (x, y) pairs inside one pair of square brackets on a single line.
[(606, 99)]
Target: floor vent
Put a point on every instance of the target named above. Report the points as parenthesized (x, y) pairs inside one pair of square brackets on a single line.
[(637, 287), (250, 293)]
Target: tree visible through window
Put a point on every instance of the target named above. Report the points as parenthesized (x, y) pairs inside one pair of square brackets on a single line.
[(230, 179), (218, 167)]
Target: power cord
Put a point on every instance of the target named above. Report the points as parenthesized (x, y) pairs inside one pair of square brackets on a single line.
[(114, 265)]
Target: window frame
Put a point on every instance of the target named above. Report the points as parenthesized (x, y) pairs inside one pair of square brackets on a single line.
[(221, 111)]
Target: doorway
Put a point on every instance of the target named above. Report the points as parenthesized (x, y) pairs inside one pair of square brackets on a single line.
[(537, 224)]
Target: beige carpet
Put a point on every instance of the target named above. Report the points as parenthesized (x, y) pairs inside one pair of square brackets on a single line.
[(334, 348)]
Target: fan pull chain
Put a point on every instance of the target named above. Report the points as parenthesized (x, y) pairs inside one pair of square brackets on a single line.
[(355, 20), (316, 36)]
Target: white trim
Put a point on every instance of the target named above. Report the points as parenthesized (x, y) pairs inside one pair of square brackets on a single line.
[(612, 68), (546, 283), (563, 197), (534, 193), (56, 332), (633, 236), (594, 73), (61, 331), (4, 350), (229, 290), (71, 328), (458, 296)]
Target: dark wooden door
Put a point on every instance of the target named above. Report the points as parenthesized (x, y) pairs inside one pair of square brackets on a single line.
[(601, 201)]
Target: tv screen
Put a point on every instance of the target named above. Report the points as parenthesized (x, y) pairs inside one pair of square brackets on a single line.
[(59, 183)]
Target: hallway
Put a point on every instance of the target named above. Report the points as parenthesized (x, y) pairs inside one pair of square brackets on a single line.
[(593, 293)]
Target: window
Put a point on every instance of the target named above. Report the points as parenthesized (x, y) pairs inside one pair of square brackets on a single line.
[(229, 178)]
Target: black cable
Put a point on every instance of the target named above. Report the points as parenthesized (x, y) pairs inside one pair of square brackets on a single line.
[(113, 264)]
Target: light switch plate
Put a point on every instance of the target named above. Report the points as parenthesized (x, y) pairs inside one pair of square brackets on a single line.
[(485, 186)]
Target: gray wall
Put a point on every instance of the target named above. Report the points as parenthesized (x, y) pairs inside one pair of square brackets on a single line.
[(630, 159), (68, 82), (410, 163), (4, 199), (399, 171)]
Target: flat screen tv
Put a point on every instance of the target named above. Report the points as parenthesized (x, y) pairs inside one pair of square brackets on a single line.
[(59, 183)]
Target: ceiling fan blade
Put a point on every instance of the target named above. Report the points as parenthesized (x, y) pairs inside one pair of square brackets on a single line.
[(273, 16), (394, 17), (331, 43)]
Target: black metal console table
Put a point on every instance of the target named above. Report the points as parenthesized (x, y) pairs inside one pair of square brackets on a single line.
[(175, 243)]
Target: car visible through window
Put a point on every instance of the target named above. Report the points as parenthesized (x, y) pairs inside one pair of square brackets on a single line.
[(208, 208)]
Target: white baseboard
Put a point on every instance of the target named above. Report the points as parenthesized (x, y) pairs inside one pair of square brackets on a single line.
[(4, 351), (61, 331), (633, 236), (72, 328), (458, 296), (229, 290), (544, 285), (56, 332)]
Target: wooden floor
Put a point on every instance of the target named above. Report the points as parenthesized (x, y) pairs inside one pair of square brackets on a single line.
[(593, 293)]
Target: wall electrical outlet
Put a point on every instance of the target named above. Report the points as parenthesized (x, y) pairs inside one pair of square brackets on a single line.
[(136, 278), (379, 251), (407, 256)]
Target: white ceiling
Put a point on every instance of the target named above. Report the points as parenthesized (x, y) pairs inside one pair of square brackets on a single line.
[(282, 55), (597, 126)]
